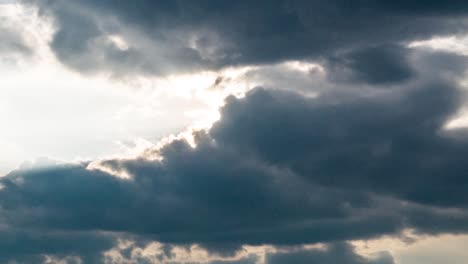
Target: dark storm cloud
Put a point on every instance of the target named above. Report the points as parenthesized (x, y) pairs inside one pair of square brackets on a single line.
[(335, 253), (393, 145), (30, 246), (205, 195), (373, 65), (175, 36)]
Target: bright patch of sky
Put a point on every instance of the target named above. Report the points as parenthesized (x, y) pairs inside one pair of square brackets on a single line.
[(420, 249), (47, 110)]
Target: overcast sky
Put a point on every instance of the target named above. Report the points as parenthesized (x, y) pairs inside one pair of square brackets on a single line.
[(234, 132)]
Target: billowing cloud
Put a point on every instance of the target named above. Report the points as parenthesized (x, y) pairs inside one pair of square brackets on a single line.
[(379, 142)]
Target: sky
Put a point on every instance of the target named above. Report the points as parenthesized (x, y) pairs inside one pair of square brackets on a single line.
[(233, 132)]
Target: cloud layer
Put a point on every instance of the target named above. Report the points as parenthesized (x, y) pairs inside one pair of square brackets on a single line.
[(178, 36), (368, 155)]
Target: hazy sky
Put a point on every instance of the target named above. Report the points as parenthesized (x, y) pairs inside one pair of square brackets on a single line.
[(233, 132)]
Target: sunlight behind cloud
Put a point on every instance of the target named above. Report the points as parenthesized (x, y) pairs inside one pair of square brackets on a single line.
[(421, 249), (49, 110), (451, 44)]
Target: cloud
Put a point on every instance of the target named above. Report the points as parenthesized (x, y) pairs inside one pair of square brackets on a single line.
[(379, 143), (373, 65), (278, 168), (338, 252), (167, 37), (12, 42), (30, 246), (335, 253), (127, 252), (203, 195)]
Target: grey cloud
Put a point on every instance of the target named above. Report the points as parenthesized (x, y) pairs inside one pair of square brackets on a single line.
[(205, 195), (335, 253), (248, 260), (180, 36), (373, 65), (379, 143), (31, 246), (405, 67), (224, 249)]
